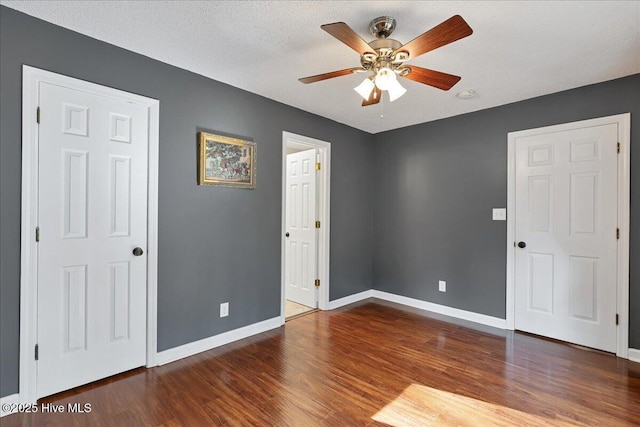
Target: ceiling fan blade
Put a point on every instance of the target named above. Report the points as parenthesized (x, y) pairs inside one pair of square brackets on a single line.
[(325, 76), (346, 35), (374, 97), (433, 78), (454, 28)]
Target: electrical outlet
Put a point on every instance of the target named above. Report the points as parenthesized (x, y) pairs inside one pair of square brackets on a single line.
[(442, 286), (224, 309)]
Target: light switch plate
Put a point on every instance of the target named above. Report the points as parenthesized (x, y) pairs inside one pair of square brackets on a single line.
[(224, 309), (499, 214)]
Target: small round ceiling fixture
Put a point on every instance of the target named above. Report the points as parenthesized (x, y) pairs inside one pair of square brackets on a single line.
[(466, 94)]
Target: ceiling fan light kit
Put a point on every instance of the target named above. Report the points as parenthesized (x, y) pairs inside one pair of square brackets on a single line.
[(384, 57), (395, 90), (364, 89), (384, 78)]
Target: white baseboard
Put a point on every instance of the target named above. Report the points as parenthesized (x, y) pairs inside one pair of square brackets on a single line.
[(634, 355), (196, 347), (442, 309), (7, 402), (350, 299), (423, 305)]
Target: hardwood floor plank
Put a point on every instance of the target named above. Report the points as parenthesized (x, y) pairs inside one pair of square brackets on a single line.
[(369, 364)]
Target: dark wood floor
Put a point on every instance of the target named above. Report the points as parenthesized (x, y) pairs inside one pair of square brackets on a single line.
[(369, 364)]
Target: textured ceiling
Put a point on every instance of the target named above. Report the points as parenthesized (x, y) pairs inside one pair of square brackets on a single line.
[(518, 49)]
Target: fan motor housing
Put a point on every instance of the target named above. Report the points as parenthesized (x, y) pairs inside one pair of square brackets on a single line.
[(388, 44)]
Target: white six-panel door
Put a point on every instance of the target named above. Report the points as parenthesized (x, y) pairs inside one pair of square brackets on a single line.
[(566, 219), (92, 214), (301, 243)]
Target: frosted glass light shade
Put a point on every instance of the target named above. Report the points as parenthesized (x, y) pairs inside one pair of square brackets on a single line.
[(365, 88), (384, 78), (395, 90)]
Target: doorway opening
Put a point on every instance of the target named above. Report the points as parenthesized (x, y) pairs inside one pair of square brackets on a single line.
[(306, 173)]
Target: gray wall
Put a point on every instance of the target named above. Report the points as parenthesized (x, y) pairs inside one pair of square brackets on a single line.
[(437, 182), (215, 244)]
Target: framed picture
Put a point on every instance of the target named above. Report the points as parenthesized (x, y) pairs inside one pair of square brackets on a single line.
[(226, 161)]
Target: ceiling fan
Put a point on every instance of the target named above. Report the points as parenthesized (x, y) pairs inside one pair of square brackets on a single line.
[(385, 57)]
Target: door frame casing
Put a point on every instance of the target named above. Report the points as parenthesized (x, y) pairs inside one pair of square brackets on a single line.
[(31, 78), (623, 121), (324, 193)]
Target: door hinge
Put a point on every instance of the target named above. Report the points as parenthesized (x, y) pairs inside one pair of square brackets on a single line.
[(318, 166), (38, 115), (317, 283), (36, 351), (617, 319), (618, 233), (618, 147), (37, 234), (317, 224)]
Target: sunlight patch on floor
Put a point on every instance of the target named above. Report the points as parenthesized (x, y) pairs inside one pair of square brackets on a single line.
[(420, 405)]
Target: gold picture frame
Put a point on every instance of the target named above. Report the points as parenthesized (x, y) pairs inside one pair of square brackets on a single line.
[(226, 161)]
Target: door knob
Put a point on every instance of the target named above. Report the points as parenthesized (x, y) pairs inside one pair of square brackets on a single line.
[(286, 234), (522, 245), (137, 251)]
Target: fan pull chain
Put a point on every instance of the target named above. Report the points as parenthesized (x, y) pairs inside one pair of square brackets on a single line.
[(381, 107)]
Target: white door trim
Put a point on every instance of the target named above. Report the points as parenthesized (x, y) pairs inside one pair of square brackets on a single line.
[(324, 197), (624, 186), (31, 77)]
